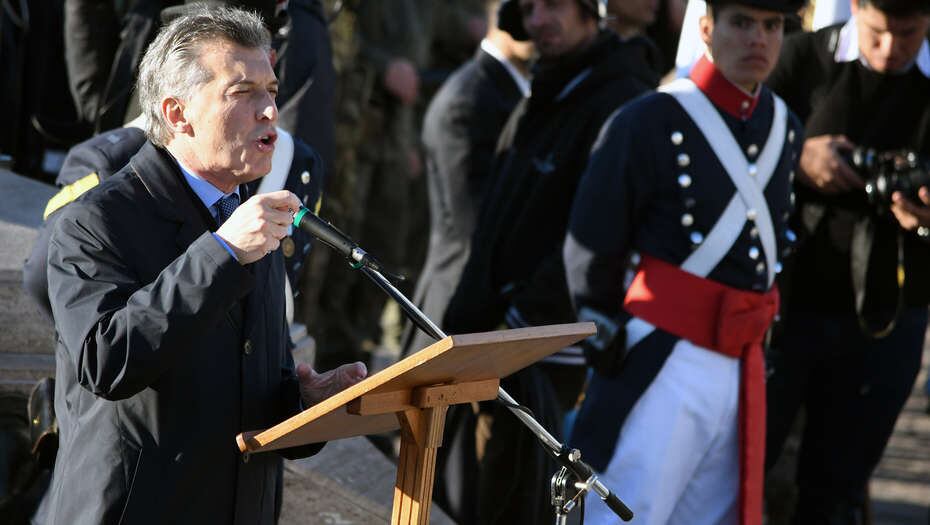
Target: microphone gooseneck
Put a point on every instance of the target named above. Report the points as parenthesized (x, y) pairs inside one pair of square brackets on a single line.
[(342, 243)]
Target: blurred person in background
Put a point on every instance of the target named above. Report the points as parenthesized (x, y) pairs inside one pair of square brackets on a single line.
[(856, 295), (514, 275), (459, 136)]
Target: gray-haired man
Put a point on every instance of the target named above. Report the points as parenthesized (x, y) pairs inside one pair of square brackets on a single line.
[(167, 297)]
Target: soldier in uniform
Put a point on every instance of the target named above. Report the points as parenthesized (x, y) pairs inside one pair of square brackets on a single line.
[(514, 274), (857, 294), (696, 180)]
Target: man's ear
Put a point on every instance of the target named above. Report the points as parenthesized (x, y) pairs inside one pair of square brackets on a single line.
[(853, 7), (706, 29), (173, 111)]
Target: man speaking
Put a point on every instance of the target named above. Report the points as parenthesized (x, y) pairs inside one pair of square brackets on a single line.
[(166, 287)]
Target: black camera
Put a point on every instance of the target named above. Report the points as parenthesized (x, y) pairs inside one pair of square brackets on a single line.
[(889, 171)]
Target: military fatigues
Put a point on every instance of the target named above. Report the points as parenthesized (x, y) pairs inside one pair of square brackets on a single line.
[(663, 430), (374, 197)]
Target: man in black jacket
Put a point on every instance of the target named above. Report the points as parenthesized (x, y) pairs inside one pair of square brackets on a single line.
[(856, 298), (460, 133), (514, 275), (167, 298)]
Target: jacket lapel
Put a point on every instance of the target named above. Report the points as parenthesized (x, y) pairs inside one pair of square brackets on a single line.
[(176, 202), (504, 83), (162, 177)]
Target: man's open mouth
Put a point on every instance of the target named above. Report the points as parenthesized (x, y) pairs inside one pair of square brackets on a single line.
[(267, 141)]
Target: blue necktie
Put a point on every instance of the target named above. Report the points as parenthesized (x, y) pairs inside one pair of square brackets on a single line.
[(226, 206)]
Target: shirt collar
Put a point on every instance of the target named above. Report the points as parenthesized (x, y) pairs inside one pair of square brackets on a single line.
[(847, 49), (523, 83), (724, 94), (206, 192)]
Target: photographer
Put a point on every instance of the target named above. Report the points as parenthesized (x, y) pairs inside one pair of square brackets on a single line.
[(856, 297)]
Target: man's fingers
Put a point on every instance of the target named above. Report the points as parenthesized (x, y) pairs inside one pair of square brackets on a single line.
[(905, 219), (842, 143), (281, 199), (924, 195), (278, 217), (908, 214), (353, 372), (317, 387)]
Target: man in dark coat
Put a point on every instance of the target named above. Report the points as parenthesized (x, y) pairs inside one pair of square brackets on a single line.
[(857, 294), (514, 275), (460, 133), (167, 300)]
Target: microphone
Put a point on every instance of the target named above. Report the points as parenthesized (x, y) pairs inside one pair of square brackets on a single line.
[(342, 243)]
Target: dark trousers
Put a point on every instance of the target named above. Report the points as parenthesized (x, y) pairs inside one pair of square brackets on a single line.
[(852, 388)]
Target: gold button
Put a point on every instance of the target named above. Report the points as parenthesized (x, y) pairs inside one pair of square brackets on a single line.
[(305, 177), (287, 246)]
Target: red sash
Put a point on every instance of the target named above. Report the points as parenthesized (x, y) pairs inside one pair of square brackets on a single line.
[(726, 320)]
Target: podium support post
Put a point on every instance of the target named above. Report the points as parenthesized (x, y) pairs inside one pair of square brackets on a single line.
[(421, 435)]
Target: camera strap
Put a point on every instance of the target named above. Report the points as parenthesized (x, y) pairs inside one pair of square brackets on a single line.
[(860, 252)]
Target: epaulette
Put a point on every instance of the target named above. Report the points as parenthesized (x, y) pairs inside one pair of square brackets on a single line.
[(70, 192)]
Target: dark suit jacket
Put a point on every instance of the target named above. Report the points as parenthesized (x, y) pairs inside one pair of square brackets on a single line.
[(167, 348), (460, 133)]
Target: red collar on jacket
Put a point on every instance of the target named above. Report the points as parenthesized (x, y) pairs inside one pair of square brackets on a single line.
[(723, 93)]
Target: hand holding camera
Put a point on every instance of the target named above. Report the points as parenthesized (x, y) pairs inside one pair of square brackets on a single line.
[(823, 166), (913, 216)]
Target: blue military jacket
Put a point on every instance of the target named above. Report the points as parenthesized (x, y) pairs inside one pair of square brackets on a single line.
[(655, 186)]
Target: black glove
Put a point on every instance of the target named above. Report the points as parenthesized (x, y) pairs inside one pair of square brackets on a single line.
[(606, 350)]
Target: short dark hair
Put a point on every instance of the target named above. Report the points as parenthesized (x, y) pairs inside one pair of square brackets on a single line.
[(898, 8)]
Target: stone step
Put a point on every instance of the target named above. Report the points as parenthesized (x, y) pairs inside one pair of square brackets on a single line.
[(348, 482), (20, 372), (25, 330)]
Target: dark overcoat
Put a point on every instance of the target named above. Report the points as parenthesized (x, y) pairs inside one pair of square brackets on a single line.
[(460, 132), (516, 258), (167, 349)]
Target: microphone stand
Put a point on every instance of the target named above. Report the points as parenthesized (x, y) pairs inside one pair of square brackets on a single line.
[(574, 472), (570, 459)]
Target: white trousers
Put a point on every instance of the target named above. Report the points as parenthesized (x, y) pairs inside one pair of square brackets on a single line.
[(676, 460)]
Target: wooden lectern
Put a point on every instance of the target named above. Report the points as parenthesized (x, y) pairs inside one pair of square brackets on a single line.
[(413, 395)]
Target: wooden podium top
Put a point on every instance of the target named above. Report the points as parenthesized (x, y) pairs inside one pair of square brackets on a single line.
[(467, 358)]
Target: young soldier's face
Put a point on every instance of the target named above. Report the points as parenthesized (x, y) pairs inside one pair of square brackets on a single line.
[(889, 43), (557, 27), (744, 42)]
